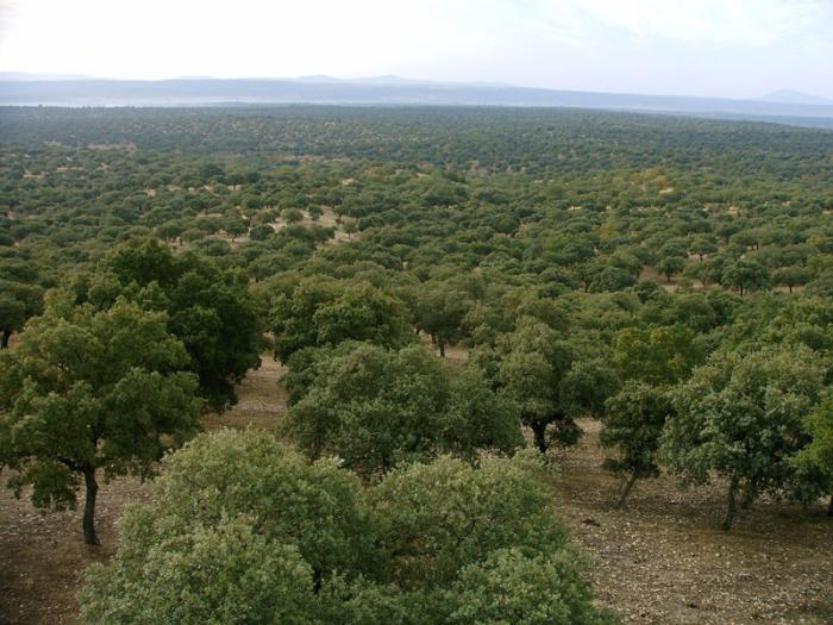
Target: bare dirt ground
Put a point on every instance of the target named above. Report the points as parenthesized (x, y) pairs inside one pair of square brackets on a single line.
[(42, 555), (261, 400), (663, 561), (666, 561)]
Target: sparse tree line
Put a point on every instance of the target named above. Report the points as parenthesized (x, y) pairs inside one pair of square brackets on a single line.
[(437, 294)]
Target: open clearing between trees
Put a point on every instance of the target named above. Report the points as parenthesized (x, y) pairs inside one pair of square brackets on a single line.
[(663, 561)]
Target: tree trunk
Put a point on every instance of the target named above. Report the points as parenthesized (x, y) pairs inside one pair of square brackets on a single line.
[(731, 505), (749, 495), (830, 507), (625, 491), (442, 349), (4, 341), (90, 537), (539, 429)]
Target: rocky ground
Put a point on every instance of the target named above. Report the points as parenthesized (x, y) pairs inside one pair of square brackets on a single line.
[(663, 561)]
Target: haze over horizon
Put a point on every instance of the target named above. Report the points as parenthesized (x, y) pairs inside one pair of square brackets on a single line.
[(712, 48)]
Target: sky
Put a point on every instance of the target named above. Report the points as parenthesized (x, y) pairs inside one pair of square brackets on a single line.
[(723, 48)]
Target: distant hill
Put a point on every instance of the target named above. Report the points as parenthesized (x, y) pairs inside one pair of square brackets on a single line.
[(785, 96), (392, 80), (387, 90)]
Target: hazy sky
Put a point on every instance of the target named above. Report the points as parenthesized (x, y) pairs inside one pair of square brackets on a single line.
[(734, 48)]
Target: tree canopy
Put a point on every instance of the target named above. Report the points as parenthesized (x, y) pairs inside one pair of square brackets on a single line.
[(741, 416), (375, 408), (210, 310), (88, 391), (238, 518)]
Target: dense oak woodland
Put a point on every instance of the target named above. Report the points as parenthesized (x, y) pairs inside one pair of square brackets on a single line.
[(670, 277)]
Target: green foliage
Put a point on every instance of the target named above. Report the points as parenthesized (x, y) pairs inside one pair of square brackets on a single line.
[(440, 311), (250, 475), (261, 232), (787, 321), (18, 302), (211, 311), (745, 275), (92, 390), (791, 276), (741, 417), (12, 317), (323, 313), (587, 386), (703, 245), (375, 408), (611, 279), (520, 234), (657, 355), (820, 424), (531, 374), (221, 575), (634, 422), (669, 265), (242, 530), (292, 215), (477, 418), (512, 587), (550, 379), (236, 227), (822, 286), (816, 460), (436, 518)]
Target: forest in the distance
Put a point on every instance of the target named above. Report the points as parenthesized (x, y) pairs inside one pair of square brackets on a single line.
[(668, 279)]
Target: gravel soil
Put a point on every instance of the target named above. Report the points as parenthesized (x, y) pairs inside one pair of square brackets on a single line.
[(665, 561)]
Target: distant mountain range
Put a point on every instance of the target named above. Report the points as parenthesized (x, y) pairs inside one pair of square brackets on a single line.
[(24, 89), (396, 81), (785, 96)]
